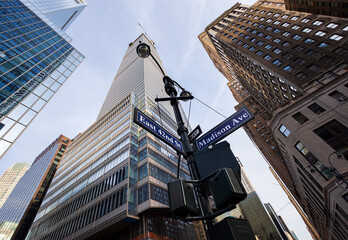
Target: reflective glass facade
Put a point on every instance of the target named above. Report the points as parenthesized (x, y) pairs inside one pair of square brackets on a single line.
[(36, 58), (20, 208), (114, 174)]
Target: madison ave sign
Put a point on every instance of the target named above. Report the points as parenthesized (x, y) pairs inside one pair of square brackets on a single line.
[(225, 128), (145, 122)]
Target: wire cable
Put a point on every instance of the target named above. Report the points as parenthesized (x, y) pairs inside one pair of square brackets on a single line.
[(209, 107)]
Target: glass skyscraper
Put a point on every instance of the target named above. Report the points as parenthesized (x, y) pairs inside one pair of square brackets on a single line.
[(36, 58), (112, 182), (10, 178), (18, 212)]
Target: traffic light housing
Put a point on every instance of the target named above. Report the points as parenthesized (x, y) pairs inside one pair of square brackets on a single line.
[(181, 199), (226, 188)]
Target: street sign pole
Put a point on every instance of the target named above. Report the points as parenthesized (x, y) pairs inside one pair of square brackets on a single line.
[(188, 149)]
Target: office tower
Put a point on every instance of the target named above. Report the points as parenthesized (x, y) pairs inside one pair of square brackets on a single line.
[(279, 222), (36, 58), (252, 209), (22, 205), (337, 8), (111, 183), (10, 178), (290, 69)]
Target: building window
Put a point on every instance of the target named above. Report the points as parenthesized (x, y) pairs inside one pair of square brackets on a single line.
[(297, 37), (269, 20), (314, 68), (267, 57), (300, 118), (285, 16), (311, 53), (252, 49), (277, 62), (323, 45), (338, 96), (287, 55), (298, 48), (245, 45), (294, 18), (277, 40), (317, 23), (308, 40), (316, 108), (268, 46), (285, 24), (276, 30), (345, 28), (268, 37), (320, 33), (295, 27), (286, 44), (277, 51), (253, 40), (269, 28), (276, 14), (305, 20), (307, 30), (332, 25), (246, 37), (259, 53), (300, 61), (284, 130), (336, 37), (276, 23), (319, 166), (335, 135), (286, 34), (260, 43), (301, 75), (288, 68)]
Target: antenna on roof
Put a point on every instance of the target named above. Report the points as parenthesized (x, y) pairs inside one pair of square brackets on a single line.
[(152, 42)]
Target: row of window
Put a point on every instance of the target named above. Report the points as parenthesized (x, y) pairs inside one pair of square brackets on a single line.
[(85, 198), (98, 210)]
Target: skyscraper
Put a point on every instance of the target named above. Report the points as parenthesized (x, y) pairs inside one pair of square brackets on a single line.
[(10, 178), (290, 69), (252, 209), (36, 58), (111, 183), (20, 208)]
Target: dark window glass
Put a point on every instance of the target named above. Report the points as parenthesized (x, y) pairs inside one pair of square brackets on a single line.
[(316, 108), (338, 96), (299, 117), (335, 134)]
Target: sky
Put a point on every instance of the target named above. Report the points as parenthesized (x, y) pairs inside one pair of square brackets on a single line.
[(102, 33)]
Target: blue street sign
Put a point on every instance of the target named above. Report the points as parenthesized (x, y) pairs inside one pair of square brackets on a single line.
[(225, 128), (145, 122)]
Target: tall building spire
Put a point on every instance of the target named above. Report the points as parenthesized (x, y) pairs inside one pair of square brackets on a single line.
[(112, 180)]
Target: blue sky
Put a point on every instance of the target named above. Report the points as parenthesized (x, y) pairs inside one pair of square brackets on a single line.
[(102, 33)]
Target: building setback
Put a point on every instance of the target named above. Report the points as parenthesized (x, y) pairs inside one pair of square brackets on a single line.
[(36, 58), (22, 205), (10, 178), (290, 69), (112, 182)]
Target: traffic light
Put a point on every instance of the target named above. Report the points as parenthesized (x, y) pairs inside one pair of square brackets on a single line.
[(181, 199), (227, 188)]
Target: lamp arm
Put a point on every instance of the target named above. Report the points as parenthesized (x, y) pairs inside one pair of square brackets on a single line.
[(157, 64)]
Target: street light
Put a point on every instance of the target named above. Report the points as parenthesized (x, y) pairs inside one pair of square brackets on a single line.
[(144, 51), (337, 174)]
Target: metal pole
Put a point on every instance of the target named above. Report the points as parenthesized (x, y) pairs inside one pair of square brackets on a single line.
[(188, 149)]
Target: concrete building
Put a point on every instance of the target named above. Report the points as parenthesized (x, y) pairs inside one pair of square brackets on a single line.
[(112, 182), (10, 178), (290, 69), (338, 8), (22, 205), (36, 58)]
